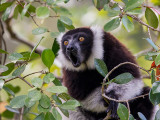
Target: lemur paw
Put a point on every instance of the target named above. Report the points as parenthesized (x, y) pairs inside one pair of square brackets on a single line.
[(112, 105)]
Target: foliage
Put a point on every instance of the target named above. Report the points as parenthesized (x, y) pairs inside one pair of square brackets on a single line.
[(54, 98)]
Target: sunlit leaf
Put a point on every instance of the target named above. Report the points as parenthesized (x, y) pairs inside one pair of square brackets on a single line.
[(37, 82), (48, 78), (127, 24), (151, 18), (10, 69), (142, 117), (7, 13), (60, 26), (56, 99), (70, 105), (156, 87), (3, 68), (122, 112), (41, 109), (66, 20), (15, 56), (18, 102), (135, 11), (28, 103), (19, 70), (34, 95), (24, 11), (5, 5), (131, 4), (157, 60), (3, 51), (111, 25), (57, 89), (49, 116), (48, 57), (123, 78), (45, 101), (101, 67), (39, 30), (42, 12), (56, 114), (8, 90), (54, 34)]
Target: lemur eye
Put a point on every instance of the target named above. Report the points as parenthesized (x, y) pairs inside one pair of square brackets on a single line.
[(65, 42), (81, 39)]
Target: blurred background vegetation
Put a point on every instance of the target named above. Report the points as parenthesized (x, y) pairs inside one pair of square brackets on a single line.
[(82, 13)]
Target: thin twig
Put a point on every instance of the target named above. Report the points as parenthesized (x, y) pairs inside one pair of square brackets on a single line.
[(27, 12), (4, 42), (143, 52), (21, 114), (25, 81), (141, 22), (128, 109), (42, 72)]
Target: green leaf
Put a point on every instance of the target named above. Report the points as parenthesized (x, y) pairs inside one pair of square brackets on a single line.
[(101, 67), (15, 56), (48, 78), (60, 26), (34, 95), (112, 24), (122, 112), (37, 82), (42, 12), (54, 34), (9, 108), (154, 98), (57, 82), (3, 51), (40, 117), (153, 77), (131, 117), (18, 101), (111, 11), (157, 60), (65, 112), (152, 44), (48, 57), (131, 4), (28, 103), (16, 12), (1, 84), (19, 71), (69, 27), (24, 11), (57, 89), (127, 24), (70, 105), (123, 78), (142, 117), (38, 31), (66, 20), (125, 1), (7, 13), (156, 87), (9, 91), (135, 11), (5, 5), (55, 48), (49, 116), (45, 101), (99, 4), (61, 10), (56, 99), (3, 68), (41, 109), (151, 18), (10, 69), (50, 2), (157, 117), (56, 114), (28, 56), (64, 96)]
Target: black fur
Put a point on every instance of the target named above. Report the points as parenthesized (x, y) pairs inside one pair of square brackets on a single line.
[(81, 83)]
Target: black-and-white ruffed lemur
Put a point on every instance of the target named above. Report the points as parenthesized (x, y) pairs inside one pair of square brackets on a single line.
[(78, 49)]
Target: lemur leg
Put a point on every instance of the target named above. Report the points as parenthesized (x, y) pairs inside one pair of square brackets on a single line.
[(122, 92)]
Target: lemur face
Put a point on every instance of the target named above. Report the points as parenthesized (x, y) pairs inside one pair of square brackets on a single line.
[(77, 45)]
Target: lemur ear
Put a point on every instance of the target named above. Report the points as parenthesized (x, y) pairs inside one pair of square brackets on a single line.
[(59, 38)]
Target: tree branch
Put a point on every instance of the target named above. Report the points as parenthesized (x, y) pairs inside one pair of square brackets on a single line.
[(17, 38)]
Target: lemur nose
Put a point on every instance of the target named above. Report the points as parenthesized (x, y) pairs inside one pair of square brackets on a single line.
[(70, 48)]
